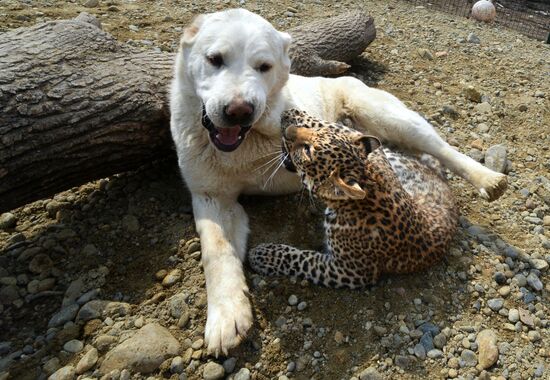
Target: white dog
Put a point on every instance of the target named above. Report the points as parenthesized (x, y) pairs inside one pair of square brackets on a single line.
[(231, 83)]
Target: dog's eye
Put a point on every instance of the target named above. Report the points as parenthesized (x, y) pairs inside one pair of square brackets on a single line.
[(264, 68), (215, 60)]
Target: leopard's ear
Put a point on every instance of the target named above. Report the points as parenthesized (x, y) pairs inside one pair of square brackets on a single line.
[(351, 189), (370, 143)]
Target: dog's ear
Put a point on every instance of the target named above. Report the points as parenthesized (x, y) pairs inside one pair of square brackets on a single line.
[(287, 39), (191, 31)]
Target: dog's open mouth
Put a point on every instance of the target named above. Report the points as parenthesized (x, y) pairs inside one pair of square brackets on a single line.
[(225, 139)]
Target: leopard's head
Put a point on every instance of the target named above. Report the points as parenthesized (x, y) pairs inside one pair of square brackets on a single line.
[(329, 157)]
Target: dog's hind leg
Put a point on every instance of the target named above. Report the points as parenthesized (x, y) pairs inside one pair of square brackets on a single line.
[(383, 115), (223, 227)]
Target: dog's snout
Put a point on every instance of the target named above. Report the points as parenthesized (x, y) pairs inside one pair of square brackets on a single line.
[(239, 112)]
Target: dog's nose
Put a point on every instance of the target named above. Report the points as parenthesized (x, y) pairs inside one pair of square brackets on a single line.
[(239, 112)]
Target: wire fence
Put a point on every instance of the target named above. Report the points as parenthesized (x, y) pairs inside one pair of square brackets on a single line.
[(529, 17)]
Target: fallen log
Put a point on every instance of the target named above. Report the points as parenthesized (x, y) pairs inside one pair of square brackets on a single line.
[(77, 105)]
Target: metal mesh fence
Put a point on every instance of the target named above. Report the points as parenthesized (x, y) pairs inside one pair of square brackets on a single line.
[(529, 17)]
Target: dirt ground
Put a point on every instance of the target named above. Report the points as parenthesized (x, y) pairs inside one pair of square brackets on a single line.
[(116, 234)]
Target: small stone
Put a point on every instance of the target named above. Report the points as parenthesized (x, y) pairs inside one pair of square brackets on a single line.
[(425, 53), (143, 352), (40, 263), (534, 336), (293, 300), (526, 317), (496, 158), (133, 28), (73, 346), (452, 373), (419, 351), (91, 3), (522, 107), (468, 358), (487, 348), (370, 374), (243, 374), (338, 337), (495, 304), (402, 361), (427, 341), (504, 291), (539, 94), (435, 353), (177, 365), (7, 221), (513, 315), (51, 366), (301, 306), (483, 107), (130, 222), (520, 279), (472, 94), (87, 361), (229, 365), (64, 373), (473, 39), (171, 278), (213, 371), (100, 308), (539, 264), (89, 250), (63, 316), (534, 282), (440, 340)]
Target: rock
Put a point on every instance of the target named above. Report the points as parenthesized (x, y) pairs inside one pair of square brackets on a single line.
[(468, 358), (500, 278), (496, 158), (73, 346), (513, 315), (427, 341), (51, 365), (130, 223), (243, 374), (7, 221), (472, 94), (425, 53), (534, 336), (64, 373), (63, 316), (213, 371), (495, 304), (434, 354), (534, 282), (143, 352), (338, 337), (487, 348), (89, 250), (402, 361), (292, 300), (473, 39), (40, 263), (103, 342), (178, 306), (9, 294), (88, 361), (483, 107), (177, 365), (370, 374), (440, 340), (91, 3), (100, 308), (419, 351), (229, 365), (526, 317), (171, 278)]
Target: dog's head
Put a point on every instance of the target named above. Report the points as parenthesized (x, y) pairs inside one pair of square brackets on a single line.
[(237, 62)]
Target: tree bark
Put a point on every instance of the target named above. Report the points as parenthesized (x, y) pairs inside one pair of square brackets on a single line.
[(76, 105)]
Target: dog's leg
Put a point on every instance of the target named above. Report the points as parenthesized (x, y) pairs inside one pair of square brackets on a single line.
[(385, 116), (223, 227)]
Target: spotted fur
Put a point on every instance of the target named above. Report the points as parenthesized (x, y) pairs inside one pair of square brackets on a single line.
[(387, 211)]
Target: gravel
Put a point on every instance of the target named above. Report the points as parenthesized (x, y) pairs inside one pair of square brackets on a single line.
[(99, 263)]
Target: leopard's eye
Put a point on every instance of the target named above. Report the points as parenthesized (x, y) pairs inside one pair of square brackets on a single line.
[(215, 60), (307, 150)]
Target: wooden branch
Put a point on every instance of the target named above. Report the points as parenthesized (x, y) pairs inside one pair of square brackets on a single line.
[(76, 105)]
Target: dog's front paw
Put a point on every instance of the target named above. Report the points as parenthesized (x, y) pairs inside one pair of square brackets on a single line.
[(227, 324), (494, 185)]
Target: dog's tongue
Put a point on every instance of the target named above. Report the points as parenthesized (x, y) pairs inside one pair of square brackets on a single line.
[(228, 136)]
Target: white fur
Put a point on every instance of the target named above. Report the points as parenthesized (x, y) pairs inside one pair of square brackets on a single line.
[(215, 178)]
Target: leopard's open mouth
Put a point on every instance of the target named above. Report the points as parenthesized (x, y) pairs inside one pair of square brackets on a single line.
[(226, 139)]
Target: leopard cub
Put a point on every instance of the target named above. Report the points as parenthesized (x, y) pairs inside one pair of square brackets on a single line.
[(386, 211)]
